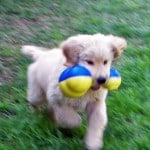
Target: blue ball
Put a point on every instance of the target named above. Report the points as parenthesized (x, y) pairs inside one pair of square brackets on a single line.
[(114, 73), (74, 71)]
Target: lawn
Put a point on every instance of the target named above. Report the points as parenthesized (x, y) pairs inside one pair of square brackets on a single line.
[(46, 23)]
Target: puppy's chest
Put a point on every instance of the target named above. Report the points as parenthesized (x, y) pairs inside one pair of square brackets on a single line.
[(55, 95), (80, 103)]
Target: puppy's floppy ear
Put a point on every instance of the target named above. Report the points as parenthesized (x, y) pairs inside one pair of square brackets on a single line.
[(118, 45), (71, 50)]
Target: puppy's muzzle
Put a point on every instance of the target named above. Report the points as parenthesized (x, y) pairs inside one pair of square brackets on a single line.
[(98, 82), (101, 80)]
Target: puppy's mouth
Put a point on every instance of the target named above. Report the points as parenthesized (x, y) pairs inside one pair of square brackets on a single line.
[(95, 87), (98, 83)]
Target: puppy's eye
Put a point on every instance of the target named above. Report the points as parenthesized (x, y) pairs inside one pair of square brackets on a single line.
[(90, 62), (105, 62)]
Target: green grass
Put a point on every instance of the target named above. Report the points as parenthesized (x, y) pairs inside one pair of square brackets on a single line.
[(47, 23)]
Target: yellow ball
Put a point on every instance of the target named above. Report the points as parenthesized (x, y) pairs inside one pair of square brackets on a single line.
[(75, 87), (114, 80), (112, 83)]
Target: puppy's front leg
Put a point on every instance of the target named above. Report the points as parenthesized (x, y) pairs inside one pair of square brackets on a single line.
[(64, 115), (97, 120)]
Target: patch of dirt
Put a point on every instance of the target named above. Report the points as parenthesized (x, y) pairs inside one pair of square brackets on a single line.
[(23, 31), (7, 70)]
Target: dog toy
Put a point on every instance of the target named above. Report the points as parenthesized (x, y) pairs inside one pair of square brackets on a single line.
[(75, 81), (114, 80)]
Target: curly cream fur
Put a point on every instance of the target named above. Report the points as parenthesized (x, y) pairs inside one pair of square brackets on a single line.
[(44, 72)]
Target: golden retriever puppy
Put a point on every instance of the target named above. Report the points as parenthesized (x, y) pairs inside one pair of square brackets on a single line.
[(96, 53)]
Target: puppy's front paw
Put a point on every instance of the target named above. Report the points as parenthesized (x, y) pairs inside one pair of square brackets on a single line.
[(93, 143)]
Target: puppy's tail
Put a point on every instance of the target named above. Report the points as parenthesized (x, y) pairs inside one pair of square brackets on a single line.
[(32, 51)]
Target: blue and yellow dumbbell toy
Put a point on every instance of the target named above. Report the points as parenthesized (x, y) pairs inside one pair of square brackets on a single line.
[(75, 81)]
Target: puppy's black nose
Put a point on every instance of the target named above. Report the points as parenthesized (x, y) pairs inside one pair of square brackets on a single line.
[(101, 80)]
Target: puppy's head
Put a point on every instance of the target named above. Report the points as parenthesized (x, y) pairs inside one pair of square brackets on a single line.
[(95, 52)]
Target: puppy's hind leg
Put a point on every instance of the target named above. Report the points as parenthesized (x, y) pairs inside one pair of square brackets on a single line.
[(35, 93)]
